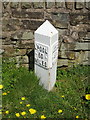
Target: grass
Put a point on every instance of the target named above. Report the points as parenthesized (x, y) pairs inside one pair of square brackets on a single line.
[(67, 97)]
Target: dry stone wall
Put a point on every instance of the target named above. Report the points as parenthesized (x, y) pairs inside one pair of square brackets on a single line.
[(71, 19)]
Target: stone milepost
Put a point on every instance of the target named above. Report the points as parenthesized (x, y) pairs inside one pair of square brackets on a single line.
[(46, 54)]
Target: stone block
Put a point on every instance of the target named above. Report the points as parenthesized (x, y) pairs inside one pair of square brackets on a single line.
[(68, 39), (10, 24), (30, 24), (86, 63), (14, 5), (0, 42), (60, 16), (16, 35), (22, 60), (47, 16), (9, 50), (82, 57), (18, 58), (82, 46), (60, 4), (18, 61), (50, 4), (27, 14), (70, 5), (70, 55), (5, 35), (79, 28), (77, 46), (33, 15), (67, 55), (5, 4), (27, 35), (0, 21), (16, 13), (62, 62), (20, 52), (6, 14), (25, 44), (79, 5), (6, 41), (62, 54), (38, 4), (60, 20), (22, 35), (13, 42), (87, 37), (75, 35), (61, 24), (25, 65), (61, 33), (87, 56), (82, 34), (76, 18), (88, 5), (26, 5), (63, 47)]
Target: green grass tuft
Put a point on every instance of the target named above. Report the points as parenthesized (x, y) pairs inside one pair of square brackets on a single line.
[(68, 94)]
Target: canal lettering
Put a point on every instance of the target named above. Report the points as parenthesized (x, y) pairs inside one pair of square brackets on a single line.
[(41, 48), (41, 55)]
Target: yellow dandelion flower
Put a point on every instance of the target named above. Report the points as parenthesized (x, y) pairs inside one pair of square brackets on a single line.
[(8, 92), (20, 102), (59, 111), (23, 113), (17, 115), (87, 96), (77, 116), (62, 96), (28, 105), (32, 111), (7, 112), (4, 93), (0, 112), (1, 86), (23, 98), (43, 117)]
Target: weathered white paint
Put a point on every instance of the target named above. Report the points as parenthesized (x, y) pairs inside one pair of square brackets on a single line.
[(46, 53)]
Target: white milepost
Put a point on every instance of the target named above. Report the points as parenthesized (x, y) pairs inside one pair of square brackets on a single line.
[(46, 54)]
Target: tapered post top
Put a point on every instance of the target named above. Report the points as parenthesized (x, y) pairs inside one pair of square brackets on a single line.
[(46, 29)]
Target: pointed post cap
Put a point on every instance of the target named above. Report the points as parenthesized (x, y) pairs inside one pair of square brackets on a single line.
[(46, 29)]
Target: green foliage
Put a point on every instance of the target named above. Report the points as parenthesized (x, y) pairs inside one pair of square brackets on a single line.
[(67, 95)]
